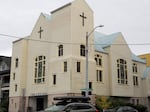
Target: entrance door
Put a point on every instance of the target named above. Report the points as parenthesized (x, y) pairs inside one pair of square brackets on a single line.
[(40, 104)]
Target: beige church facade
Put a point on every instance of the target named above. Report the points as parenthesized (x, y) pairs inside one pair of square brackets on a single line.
[(51, 62)]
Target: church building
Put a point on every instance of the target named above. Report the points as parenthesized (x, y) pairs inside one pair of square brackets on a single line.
[(51, 62)]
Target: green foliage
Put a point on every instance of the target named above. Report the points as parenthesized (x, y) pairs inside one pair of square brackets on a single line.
[(103, 102), (141, 108), (115, 102)]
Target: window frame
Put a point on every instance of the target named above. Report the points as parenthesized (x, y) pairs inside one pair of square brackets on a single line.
[(135, 80), (16, 62), (60, 50), (98, 60), (99, 77), (16, 87), (78, 66), (135, 68), (82, 50), (122, 74), (54, 79), (65, 66), (39, 73)]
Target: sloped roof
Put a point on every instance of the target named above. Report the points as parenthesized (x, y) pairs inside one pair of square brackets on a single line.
[(136, 58), (102, 41), (48, 17), (146, 72)]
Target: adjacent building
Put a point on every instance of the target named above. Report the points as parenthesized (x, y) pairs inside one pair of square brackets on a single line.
[(5, 63), (146, 57), (51, 62)]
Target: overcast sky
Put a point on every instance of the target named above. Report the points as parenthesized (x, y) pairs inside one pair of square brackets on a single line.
[(130, 17)]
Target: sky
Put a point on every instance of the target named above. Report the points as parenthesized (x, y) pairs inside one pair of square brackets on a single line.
[(130, 17)]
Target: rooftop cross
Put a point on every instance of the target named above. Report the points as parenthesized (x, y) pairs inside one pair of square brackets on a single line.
[(40, 32), (83, 17)]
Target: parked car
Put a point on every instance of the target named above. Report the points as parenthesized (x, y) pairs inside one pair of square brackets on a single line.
[(71, 104), (122, 109)]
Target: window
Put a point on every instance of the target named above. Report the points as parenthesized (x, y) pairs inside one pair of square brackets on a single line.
[(98, 60), (2, 66), (78, 67), (16, 62), (54, 79), (60, 50), (137, 101), (65, 66), (90, 87), (14, 75), (82, 50), (83, 93), (40, 69), (133, 101), (122, 71), (15, 87), (99, 75), (134, 68), (135, 81)]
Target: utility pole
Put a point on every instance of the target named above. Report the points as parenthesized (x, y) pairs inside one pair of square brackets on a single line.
[(86, 54)]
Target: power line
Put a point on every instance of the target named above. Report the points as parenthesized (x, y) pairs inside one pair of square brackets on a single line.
[(132, 44), (9, 36)]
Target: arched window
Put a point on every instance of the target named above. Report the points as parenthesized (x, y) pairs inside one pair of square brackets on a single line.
[(122, 71), (134, 68), (82, 50), (40, 69), (98, 60), (60, 50)]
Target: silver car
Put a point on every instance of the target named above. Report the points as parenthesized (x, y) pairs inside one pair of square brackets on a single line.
[(71, 104), (71, 107)]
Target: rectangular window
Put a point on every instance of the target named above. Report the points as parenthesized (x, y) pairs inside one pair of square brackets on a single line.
[(15, 87), (90, 87), (82, 50), (14, 75), (135, 81), (65, 66), (16, 62), (122, 72), (99, 76), (78, 67), (54, 79), (39, 74), (39, 69)]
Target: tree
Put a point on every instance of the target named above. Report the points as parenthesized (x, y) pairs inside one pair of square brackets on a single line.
[(102, 102)]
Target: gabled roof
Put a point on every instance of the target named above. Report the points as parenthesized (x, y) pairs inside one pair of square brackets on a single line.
[(102, 41), (68, 4)]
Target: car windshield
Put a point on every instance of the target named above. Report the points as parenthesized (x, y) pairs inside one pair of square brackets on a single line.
[(54, 108)]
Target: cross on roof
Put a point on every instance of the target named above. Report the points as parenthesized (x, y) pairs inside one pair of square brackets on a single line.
[(40, 32), (83, 17)]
